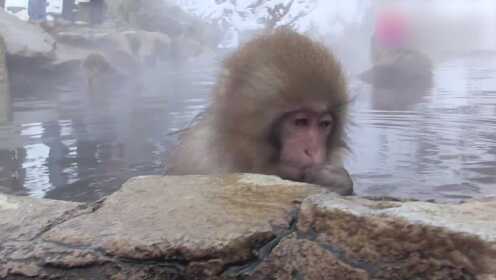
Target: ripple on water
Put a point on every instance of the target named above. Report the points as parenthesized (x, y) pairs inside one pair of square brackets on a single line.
[(426, 144), (441, 146)]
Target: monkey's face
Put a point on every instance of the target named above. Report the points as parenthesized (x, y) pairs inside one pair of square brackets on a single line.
[(302, 142)]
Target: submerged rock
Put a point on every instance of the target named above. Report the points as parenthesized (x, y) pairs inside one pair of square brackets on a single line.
[(243, 227)]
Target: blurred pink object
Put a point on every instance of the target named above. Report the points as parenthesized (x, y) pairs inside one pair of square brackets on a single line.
[(391, 29)]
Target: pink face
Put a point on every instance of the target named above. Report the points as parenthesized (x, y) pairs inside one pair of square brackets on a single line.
[(303, 141)]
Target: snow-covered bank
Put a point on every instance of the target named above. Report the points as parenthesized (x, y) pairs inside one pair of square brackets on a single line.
[(445, 18)]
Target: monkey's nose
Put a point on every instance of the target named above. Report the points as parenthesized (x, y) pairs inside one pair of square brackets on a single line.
[(310, 155)]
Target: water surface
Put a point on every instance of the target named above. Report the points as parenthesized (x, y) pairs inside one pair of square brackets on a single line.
[(436, 143)]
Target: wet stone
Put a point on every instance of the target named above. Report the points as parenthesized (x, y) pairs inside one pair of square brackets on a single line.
[(405, 240), (197, 220), (297, 258), (243, 227), (23, 218)]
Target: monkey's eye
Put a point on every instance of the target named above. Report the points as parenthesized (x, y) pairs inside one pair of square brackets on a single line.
[(301, 122), (325, 124)]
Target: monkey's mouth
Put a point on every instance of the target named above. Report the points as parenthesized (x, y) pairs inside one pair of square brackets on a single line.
[(293, 172)]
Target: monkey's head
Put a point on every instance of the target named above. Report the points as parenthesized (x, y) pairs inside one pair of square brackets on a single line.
[(280, 105), (96, 63)]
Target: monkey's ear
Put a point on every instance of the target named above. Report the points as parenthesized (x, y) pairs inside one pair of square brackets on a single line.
[(225, 76), (226, 73)]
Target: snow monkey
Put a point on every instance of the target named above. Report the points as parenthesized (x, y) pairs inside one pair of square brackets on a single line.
[(98, 72), (279, 108)]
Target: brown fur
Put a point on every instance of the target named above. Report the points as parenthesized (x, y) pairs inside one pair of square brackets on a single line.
[(97, 68), (96, 62), (273, 74)]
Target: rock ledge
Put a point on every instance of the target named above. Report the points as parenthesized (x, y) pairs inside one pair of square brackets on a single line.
[(243, 227)]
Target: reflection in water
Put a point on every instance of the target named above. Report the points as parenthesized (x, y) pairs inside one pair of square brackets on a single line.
[(435, 143), (67, 144), (398, 98), (400, 78)]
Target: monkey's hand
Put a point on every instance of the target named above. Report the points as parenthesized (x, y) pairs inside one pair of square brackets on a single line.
[(335, 178)]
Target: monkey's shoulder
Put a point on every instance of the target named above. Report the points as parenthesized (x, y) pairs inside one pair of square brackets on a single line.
[(195, 153)]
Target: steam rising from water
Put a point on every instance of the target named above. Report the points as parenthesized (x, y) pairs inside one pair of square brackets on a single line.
[(425, 143)]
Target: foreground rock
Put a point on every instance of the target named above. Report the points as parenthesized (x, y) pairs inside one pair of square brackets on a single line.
[(410, 240), (23, 219), (163, 227), (243, 227), (24, 39)]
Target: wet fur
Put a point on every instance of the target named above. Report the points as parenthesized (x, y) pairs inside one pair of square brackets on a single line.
[(269, 76)]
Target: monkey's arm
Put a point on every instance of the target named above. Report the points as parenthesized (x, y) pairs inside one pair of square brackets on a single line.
[(333, 177)]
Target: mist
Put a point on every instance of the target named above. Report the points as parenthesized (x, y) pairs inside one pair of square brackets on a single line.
[(96, 93)]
